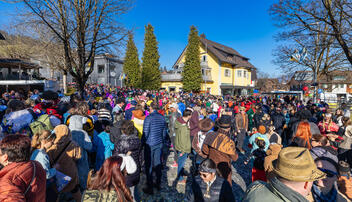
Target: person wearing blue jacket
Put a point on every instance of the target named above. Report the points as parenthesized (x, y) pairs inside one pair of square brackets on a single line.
[(262, 134), (103, 146), (153, 138)]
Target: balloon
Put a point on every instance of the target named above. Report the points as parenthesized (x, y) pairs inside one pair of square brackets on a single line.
[(320, 91), (305, 88), (311, 95)]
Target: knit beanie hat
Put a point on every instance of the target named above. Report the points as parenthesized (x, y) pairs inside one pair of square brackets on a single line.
[(261, 129)]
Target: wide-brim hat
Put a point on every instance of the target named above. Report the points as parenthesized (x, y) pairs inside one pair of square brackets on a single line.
[(206, 124), (224, 121), (296, 164)]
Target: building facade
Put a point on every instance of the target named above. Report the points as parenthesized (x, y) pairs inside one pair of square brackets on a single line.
[(107, 70), (333, 86), (224, 71)]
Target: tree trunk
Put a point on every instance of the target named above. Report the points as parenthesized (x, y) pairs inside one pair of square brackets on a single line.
[(64, 81)]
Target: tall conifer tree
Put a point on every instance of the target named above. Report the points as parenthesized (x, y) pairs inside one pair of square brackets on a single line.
[(192, 73), (131, 65), (151, 78)]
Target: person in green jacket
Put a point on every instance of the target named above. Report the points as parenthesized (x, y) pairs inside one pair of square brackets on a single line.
[(250, 114), (295, 170), (182, 142)]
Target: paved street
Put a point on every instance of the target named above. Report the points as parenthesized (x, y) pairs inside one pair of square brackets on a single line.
[(241, 178)]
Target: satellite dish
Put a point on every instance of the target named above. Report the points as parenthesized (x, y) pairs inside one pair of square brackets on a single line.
[(113, 74)]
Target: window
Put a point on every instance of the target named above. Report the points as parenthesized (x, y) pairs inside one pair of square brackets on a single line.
[(244, 73), (342, 85), (176, 67), (101, 69), (204, 58), (325, 85), (239, 73), (202, 71), (227, 73)]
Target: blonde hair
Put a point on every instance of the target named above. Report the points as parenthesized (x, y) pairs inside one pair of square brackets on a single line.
[(39, 137), (82, 109)]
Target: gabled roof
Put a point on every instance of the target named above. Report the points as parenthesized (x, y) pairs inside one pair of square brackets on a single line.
[(226, 54)]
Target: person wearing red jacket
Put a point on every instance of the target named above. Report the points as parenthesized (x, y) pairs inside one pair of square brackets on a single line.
[(20, 179)]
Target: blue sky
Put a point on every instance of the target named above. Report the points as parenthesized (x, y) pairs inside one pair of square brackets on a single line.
[(244, 25)]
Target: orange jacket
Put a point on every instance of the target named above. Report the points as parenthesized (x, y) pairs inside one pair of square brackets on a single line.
[(15, 179)]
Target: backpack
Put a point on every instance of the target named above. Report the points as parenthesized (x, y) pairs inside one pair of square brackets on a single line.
[(42, 123)]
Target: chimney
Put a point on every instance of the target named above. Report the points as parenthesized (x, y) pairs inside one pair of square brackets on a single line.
[(202, 35)]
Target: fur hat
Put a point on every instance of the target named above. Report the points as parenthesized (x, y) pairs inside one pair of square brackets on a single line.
[(206, 124)]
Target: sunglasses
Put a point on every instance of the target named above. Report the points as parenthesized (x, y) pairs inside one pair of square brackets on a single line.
[(328, 173)]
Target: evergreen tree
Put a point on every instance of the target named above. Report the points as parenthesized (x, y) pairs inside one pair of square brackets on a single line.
[(131, 65), (151, 78), (192, 73)]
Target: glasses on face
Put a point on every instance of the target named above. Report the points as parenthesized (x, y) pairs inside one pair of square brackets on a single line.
[(328, 173)]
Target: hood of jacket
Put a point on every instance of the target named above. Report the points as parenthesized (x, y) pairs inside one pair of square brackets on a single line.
[(77, 122)]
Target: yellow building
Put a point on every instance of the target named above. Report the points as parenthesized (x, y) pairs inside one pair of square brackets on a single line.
[(224, 71)]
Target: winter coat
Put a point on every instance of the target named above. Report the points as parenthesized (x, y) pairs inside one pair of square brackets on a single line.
[(171, 119), (250, 114), (15, 178), (115, 132), (82, 139), (258, 115), (193, 123), (131, 143), (347, 138), (278, 121), (104, 147), (345, 186), (255, 136), (42, 157), (183, 139), (128, 113), (66, 153), (16, 121), (220, 190), (240, 122), (324, 151), (274, 191), (102, 196), (154, 129)]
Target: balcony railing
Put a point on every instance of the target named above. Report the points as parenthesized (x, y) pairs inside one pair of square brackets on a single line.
[(178, 77), (207, 78), (171, 77)]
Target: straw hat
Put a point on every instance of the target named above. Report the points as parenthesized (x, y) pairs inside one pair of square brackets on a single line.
[(205, 125), (296, 164)]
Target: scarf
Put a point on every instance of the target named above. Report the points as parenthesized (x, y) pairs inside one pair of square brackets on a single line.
[(320, 197)]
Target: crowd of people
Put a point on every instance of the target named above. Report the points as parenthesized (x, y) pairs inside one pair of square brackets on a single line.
[(96, 146)]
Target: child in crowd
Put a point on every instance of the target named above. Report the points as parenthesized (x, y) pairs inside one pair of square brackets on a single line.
[(40, 143), (259, 155), (103, 146)]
